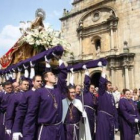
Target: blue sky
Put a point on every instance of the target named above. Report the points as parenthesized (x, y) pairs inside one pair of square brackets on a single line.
[(14, 11)]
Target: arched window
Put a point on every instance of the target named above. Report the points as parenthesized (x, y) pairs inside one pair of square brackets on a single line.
[(97, 44)]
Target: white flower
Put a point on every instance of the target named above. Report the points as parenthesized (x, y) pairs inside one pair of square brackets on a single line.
[(47, 38), (37, 42)]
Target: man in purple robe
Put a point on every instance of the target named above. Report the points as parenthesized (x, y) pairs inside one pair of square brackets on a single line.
[(5, 97), (78, 90), (21, 120), (90, 101), (74, 115), (13, 106), (107, 113), (16, 87), (46, 107), (1, 114), (128, 117)]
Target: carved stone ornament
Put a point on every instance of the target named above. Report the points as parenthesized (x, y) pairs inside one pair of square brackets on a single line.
[(96, 16)]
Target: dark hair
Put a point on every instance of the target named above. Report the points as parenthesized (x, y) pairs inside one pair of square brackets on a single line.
[(108, 82), (21, 81), (124, 90), (70, 87), (78, 85), (45, 74), (92, 85), (35, 77), (7, 83)]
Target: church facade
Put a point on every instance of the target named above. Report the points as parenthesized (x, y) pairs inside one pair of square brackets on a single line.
[(109, 29)]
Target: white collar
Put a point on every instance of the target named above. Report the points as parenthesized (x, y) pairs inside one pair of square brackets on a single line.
[(108, 92), (50, 87), (69, 101), (33, 89)]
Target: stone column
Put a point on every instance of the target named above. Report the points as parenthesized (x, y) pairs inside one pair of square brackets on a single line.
[(111, 36), (111, 39), (80, 45), (126, 77), (132, 78), (112, 75)]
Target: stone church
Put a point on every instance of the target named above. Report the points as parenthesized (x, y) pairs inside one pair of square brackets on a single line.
[(109, 29)]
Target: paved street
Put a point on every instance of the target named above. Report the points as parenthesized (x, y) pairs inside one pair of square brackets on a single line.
[(117, 137)]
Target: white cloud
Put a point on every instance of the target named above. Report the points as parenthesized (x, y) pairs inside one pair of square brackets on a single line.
[(8, 37)]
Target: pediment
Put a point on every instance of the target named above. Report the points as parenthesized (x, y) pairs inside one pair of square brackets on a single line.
[(97, 16)]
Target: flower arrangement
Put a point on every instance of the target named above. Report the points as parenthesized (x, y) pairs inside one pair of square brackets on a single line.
[(46, 37)]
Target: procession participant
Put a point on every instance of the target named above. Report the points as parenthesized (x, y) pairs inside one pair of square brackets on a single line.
[(116, 95), (92, 88), (47, 106), (107, 113), (73, 116), (6, 95), (128, 117), (90, 101), (1, 114), (78, 90), (1, 88), (21, 120), (16, 87), (13, 106)]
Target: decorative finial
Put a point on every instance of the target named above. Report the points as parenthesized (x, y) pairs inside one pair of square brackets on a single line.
[(40, 13)]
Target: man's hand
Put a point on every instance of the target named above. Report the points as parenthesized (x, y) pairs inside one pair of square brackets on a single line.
[(136, 120), (71, 70), (60, 62), (16, 136), (86, 70), (116, 130), (47, 62), (8, 131), (100, 64)]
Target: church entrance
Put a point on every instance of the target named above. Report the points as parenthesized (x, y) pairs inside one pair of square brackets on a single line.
[(95, 78)]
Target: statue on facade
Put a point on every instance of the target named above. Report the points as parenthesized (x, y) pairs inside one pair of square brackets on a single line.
[(98, 51)]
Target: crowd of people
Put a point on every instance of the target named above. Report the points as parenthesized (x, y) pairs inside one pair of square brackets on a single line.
[(46, 108)]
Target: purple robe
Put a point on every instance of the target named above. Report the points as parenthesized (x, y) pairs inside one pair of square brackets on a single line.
[(3, 109), (12, 110), (69, 123), (127, 114), (1, 116), (107, 113), (43, 109), (90, 104), (79, 97), (21, 120)]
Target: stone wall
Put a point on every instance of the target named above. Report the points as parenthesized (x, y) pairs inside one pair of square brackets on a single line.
[(82, 24)]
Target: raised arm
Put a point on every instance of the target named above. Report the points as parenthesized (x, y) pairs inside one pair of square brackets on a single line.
[(87, 80), (102, 82), (61, 85)]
